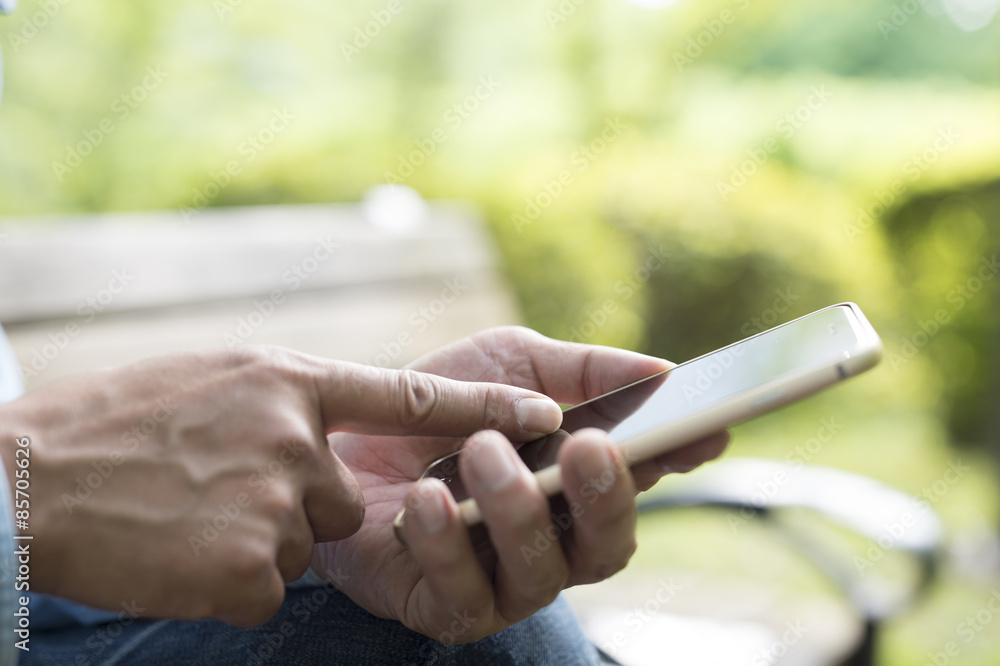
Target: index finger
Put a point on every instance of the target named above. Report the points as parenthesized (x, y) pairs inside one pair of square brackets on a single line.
[(371, 400)]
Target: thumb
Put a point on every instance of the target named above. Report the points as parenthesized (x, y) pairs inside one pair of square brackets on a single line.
[(370, 400)]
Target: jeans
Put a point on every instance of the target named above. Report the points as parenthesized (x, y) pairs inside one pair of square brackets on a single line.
[(316, 625)]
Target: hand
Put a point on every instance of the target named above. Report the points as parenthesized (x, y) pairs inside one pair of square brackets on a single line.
[(437, 586), (197, 484)]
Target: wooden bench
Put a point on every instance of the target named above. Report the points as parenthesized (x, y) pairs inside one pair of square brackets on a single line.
[(87, 291)]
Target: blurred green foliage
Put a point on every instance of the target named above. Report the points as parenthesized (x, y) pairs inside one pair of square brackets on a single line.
[(776, 157)]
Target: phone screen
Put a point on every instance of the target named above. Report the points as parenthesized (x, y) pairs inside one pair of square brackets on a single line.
[(817, 340), (821, 339)]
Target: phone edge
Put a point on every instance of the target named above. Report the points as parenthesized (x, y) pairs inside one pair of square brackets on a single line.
[(808, 382)]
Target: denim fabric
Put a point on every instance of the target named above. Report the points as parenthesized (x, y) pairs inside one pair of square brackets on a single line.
[(316, 625)]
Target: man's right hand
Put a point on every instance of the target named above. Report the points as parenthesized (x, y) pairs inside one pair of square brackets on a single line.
[(197, 484)]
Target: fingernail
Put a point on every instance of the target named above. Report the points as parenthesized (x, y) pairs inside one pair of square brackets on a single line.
[(493, 465), (432, 514), (537, 415), (597, 466)]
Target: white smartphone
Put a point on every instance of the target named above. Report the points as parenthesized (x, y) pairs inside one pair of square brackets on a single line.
[(702, 396)]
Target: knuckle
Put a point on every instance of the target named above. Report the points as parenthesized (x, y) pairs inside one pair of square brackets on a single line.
[(285, 436), (295, 436), (250, 355), (416, 397), (280, 501), (537, 591), (270, 360), (605, 571), (250, 566), (547, 590), (494, 413), (609, 567)]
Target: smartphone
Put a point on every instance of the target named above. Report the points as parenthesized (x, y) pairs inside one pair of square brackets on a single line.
[(703, 396)]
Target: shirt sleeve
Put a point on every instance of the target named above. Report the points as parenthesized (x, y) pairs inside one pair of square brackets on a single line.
[(8, 571), (11, 385)]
